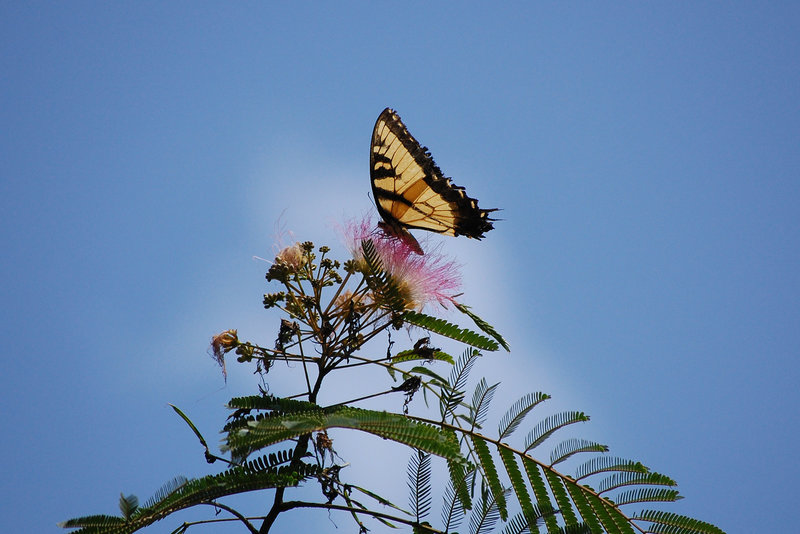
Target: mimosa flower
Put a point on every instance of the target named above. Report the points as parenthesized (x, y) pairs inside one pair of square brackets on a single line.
[(420, 278)]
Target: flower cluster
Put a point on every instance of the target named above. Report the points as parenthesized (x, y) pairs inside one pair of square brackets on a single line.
[(421, 279), (385, 278)]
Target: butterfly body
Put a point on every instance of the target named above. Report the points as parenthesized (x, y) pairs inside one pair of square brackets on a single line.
[(412, 192)]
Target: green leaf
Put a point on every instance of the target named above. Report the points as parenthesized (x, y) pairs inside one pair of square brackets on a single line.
[(481, 399), (540, 491), (647, 495), (628, 479), (680, 523), (411, 355), (272, 429), (519, 525), (520, 489), (128, 505), (566, 449), (381, 500), (194, 492), (602, 464), (419, 484), (514, 416), (486, 514), (611, 518), (95, 523), (546, 427), (580, 528), (191, 425), (356, 504), (270, 403), (581, 499), (490, 473), (453, 509), (557, 487), (483, 325), (443, 328), (462, 476), (274, 459), (164, 491), (452, 397)]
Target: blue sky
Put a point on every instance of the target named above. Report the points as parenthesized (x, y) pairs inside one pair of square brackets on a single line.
[(645, 157)]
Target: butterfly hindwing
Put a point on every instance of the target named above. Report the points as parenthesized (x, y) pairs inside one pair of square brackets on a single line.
[(410, 189)]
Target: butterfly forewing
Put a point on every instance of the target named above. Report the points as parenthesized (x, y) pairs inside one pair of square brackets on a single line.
[(411, 191)]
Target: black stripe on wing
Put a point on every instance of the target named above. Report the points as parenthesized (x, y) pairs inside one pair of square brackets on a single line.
[(452, 212)]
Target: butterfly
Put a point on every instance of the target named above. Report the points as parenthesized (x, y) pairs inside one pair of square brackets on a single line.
[(411, 192)]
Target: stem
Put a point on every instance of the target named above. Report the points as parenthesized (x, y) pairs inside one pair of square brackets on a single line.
[(288, 505), (236, 514), (299, 451), (336, 295), (305, 368), (362, 398)]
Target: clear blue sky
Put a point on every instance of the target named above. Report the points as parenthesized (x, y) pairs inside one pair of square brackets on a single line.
[(646, 271)]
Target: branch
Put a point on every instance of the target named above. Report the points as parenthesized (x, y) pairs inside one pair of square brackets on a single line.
[(288, 505), (236, 514)]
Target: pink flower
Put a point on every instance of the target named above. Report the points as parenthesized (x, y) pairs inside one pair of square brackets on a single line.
[(421, 278)]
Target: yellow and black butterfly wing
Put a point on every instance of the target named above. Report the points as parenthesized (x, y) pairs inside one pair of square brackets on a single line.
[(410, 189)]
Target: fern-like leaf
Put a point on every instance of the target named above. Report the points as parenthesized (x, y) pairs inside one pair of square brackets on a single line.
[(274, 459), (452, 508), (520, 489), (618, 480), (481, 399), (668, 523), (557, 484), (452, 397), (540, 492), (581, 500), (230, 482), (443, 328), (490, 473), (483, 325), (419, 484), (514, 416), (546, 427), (94, 523), (270, 403), (412, 355), (486, 514), (193, 492), (580, 528), (273, 429), (518, 525), (164, 491), (647, 495), (610, 516), (603, 464), (570, 447), (462, 477), (128, 505)]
